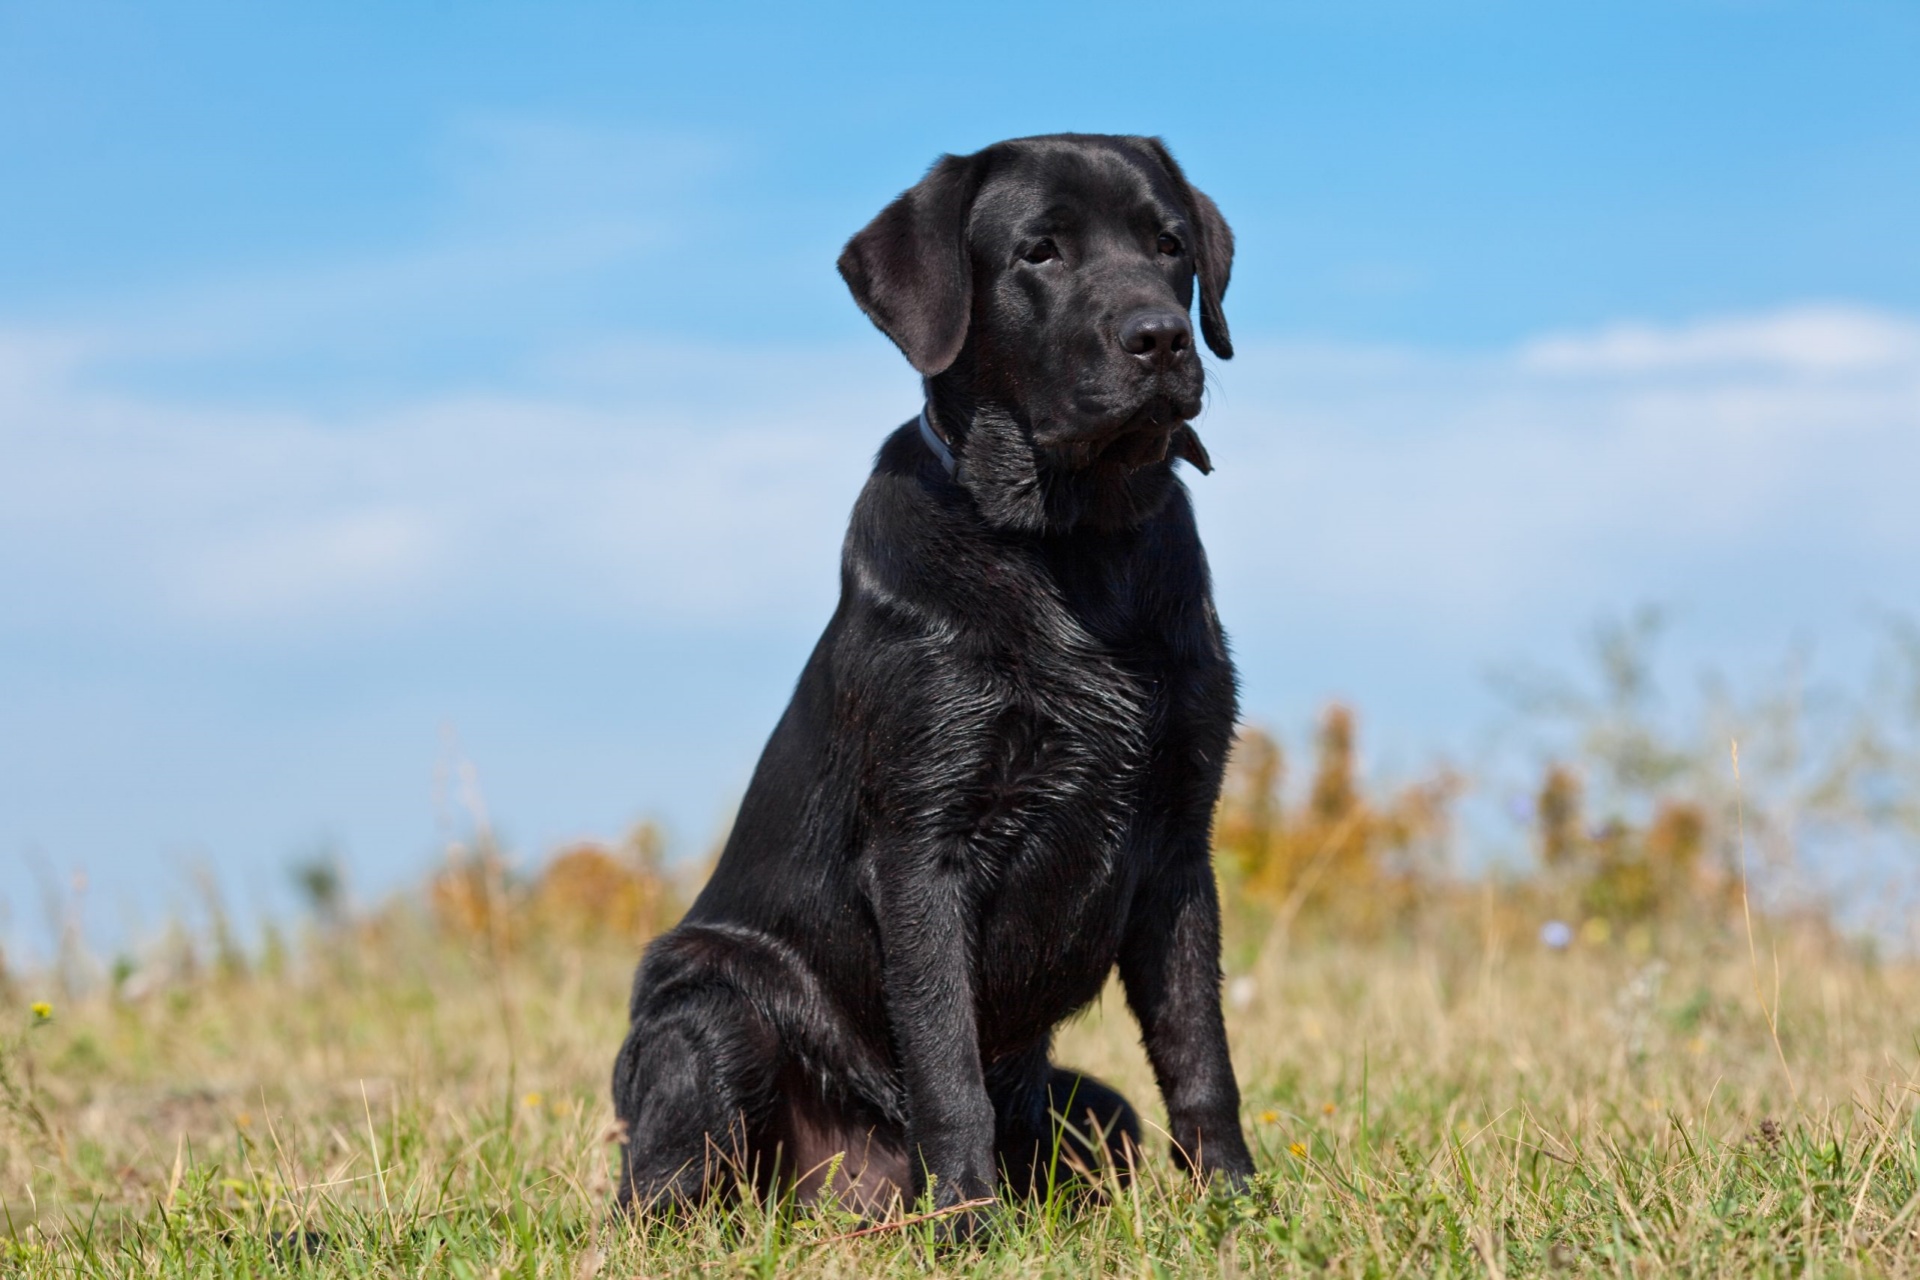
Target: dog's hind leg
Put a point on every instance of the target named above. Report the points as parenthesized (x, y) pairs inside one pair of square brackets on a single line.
[(693, 1081), (837, 1152)]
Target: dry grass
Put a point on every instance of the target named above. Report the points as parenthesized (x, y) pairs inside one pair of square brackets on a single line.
[(1450, 1097)]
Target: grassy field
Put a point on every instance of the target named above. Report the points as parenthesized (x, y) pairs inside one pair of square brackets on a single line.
[(1452, 1097)]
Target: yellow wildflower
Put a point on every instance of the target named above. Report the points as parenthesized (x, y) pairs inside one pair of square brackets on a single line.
[(1298, 1149), (41, 1010), (531, 1100), (1269, 1116)]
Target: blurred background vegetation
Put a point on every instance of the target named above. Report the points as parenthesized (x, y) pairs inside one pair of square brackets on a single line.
[(1601, 813)]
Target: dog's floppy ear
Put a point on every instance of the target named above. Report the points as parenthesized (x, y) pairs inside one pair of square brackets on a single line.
[(909, 268), (1212, 253)]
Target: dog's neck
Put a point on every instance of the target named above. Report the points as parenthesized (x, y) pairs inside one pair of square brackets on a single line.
[(986, 446)]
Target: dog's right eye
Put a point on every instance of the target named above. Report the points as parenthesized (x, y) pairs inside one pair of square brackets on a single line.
[(1042, 251)]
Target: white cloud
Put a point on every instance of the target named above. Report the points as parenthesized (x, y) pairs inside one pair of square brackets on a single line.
[(345, 560), (1470, 492), (610, 502), (691, 487), (31, 360), (1811, 339)]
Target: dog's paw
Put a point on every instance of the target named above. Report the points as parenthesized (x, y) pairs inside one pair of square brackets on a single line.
[(955, 1221), (1228, 1179), (967, 1226)]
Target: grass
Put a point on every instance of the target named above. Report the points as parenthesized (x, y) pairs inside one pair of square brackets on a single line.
[(1453, 1098)]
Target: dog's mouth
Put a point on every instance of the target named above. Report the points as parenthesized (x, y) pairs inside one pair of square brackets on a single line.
[(1155, 430)]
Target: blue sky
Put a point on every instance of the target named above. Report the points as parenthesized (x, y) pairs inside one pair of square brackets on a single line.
[(385, 385)]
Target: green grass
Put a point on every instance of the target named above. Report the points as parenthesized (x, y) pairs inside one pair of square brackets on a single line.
[(1452, 1099)]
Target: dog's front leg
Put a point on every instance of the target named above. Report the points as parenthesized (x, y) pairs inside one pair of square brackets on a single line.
[(1170, 965), (923, 915)]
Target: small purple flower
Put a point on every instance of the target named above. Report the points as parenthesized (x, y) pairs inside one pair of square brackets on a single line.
[(1557, 934)]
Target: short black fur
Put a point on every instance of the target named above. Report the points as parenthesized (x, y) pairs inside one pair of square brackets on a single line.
[(996, 778)]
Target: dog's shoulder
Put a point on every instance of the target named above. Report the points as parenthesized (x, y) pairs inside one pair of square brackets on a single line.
[(917, 548)]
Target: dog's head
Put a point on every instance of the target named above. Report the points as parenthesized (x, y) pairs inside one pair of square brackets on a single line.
[(1044, 286)]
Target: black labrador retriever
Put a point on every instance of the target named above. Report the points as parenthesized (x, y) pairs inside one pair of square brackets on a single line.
[(997, 775)]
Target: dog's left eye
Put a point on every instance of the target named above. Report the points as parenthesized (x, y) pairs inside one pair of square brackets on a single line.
[(1042, 251), (1169, 244)]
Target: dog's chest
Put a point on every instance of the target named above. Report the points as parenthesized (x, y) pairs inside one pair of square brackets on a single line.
[(1056, 849), (1066, 754), (1071, 723), (1080, 721)]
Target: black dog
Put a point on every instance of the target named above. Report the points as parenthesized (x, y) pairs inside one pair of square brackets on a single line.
[(997, 775)]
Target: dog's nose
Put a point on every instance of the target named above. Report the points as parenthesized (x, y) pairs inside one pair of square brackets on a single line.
[(1156, 335)]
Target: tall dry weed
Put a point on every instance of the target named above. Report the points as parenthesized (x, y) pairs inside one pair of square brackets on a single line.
[(1336, 849), (586, 892)]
